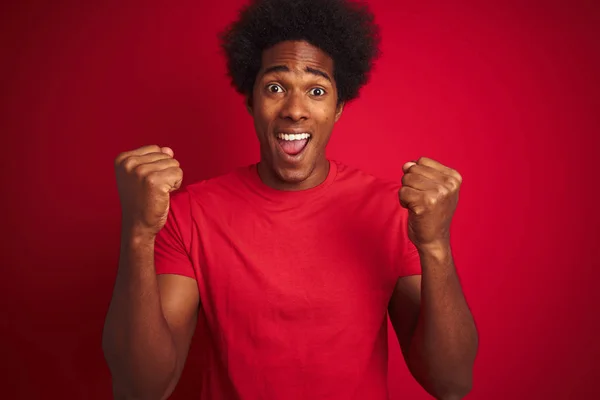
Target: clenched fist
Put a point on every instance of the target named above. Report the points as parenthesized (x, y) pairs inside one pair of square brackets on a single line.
[(145, 179), (430, 193)]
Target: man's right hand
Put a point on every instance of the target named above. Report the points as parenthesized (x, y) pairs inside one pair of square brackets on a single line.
[(145, 179)]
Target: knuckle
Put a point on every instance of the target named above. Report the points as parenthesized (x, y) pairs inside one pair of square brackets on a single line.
[(139, 169), (119, 159), (442, 190), (456, 175), (456, 185), (402, 193), (431, 200), (147, 149), (152, 179), (451, 183), (129, 163), (459, 177)]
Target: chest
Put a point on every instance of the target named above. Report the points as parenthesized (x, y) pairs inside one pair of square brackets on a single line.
[(311, 264)]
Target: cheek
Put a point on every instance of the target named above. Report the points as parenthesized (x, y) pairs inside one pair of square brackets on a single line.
[(264, 117), (327, 118), (260, 111)]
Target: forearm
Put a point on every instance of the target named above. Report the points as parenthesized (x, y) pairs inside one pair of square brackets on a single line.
[(444, 345), (137, 342)]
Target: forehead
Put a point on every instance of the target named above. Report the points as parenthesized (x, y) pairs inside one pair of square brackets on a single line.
[(297, 55)]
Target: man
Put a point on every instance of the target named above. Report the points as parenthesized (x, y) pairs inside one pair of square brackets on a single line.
[(290, 266)]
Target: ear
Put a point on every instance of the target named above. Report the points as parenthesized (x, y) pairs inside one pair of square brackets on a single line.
[(249, 104), (339, 110)]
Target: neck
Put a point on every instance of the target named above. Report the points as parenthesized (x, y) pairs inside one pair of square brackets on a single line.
[(294, 182)]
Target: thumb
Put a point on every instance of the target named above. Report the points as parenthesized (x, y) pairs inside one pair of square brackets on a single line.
[(167, 150), (407, 166)]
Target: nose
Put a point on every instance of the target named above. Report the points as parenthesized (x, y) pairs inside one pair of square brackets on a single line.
[(295, 107)]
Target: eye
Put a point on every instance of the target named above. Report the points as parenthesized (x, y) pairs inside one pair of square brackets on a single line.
[(317, 92), (273, 88)]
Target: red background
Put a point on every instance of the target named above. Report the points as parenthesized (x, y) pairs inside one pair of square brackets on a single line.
[(506, 92)]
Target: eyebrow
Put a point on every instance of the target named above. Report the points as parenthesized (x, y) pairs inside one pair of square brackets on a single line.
[(310, 70)]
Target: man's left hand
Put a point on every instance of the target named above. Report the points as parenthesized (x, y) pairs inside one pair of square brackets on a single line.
[(430, 193)]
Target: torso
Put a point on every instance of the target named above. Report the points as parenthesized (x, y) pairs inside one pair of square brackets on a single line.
[(295, 287)]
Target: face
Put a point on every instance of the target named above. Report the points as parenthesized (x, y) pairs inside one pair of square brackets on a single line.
[(294, 106)]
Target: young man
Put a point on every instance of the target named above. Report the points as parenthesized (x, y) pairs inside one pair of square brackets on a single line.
[(290, 266)]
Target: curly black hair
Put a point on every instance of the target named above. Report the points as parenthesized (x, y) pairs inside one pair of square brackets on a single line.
[(343, 29)]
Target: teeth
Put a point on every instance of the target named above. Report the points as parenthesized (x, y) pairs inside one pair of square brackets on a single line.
[(299, 136)]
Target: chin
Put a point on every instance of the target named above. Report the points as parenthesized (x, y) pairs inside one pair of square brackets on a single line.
[(290, 171)]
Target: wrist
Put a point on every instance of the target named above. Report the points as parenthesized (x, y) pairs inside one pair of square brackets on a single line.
[(439, 250), (135, 236)]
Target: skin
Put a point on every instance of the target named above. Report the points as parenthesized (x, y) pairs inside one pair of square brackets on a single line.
[(295, 90), (151, 319), (433, 323)]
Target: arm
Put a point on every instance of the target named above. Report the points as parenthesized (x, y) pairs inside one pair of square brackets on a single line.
[(433, 323), (435, 328), (149, 325), (151, 319)]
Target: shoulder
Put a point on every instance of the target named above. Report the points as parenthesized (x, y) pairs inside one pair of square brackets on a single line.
[(376, 197), (355, 178), (374, 205), (218, 188)]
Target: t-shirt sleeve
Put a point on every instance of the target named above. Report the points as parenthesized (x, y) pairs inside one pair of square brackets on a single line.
[(171, 255), (408, 261)]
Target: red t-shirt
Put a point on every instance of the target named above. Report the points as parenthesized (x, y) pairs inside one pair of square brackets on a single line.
[(294, 286)]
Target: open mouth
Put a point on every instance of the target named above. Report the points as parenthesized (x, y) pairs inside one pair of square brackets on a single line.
[(293, 144)]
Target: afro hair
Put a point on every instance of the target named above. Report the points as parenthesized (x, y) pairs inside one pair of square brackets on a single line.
[(343, 29)]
